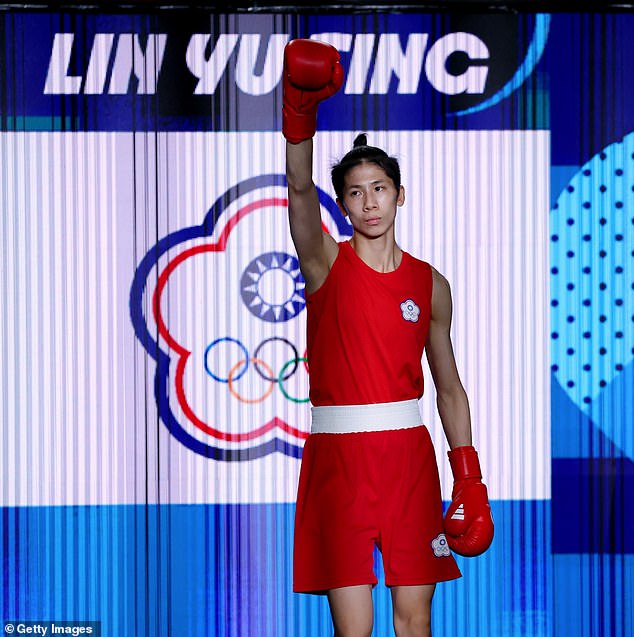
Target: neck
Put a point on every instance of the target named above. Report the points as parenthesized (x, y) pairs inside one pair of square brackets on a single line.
[(381, 254)]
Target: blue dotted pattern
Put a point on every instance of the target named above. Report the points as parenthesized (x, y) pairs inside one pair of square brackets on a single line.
[(592, 275)]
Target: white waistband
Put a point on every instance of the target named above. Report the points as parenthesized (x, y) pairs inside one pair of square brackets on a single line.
[(340, 419)]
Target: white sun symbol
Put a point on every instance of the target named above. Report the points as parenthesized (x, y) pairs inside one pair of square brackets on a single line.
[(272, 287)]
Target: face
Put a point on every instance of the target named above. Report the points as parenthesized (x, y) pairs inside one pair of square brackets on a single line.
[(370, 199)]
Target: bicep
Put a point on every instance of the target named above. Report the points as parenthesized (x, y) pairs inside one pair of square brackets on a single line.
[(315, 248), (304, 214), (439, 349)]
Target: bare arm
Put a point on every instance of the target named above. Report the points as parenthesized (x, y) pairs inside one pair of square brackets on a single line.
[(452, 401), (315, 248)]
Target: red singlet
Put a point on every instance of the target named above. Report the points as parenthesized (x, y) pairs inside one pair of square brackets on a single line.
[(366, 331)]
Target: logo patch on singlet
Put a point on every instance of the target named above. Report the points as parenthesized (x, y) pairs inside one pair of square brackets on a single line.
[(410, 310), (440, 546)]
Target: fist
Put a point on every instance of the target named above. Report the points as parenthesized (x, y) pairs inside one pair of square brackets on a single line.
[(312, 73), (468, 521)]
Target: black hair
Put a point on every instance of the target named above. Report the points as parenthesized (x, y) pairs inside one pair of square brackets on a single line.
[(360, 154)]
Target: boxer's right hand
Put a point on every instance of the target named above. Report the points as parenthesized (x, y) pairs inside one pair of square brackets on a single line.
[(312, 73)]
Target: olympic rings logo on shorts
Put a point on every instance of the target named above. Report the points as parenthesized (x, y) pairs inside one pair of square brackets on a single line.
[(245, 362)]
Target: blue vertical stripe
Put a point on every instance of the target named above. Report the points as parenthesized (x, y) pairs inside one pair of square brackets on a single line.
[(225, 570)]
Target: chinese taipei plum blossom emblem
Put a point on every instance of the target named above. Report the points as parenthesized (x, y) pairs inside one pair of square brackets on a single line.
[(223, 382), (410, 310), (440, 546)]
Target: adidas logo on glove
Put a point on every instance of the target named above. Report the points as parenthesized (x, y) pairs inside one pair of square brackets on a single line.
[(469, 531)]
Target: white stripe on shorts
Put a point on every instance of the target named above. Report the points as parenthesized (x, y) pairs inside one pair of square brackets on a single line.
[(341, 419)]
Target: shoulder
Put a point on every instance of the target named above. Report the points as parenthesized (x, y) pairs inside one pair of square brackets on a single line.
[(338, 260), (439, 280), (316, 270), (441, 296), (418, 265)]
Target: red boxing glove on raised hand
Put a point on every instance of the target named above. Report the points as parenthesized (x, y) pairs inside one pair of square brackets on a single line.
[(312, 73), (468, 521)]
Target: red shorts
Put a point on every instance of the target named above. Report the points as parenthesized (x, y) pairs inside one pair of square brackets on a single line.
[(360, 490)]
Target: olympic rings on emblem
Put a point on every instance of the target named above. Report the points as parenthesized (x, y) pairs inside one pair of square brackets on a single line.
[(281, 378), (264, 370), (234, 392), (245, 361), (272, 378)]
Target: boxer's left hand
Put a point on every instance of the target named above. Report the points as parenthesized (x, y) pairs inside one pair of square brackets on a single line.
[(468, 521)]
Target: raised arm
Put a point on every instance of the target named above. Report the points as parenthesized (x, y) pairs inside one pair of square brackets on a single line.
[(312, 73), (468, 521)]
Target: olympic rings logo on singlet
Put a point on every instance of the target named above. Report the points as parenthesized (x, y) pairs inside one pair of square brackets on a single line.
[(410, 310), (246, 363)]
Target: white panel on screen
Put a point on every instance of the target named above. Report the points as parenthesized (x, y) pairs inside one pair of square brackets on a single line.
[(85, 408)]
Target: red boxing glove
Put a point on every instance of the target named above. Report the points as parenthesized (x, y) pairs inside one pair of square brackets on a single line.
[(468, 521), (312, 73)]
